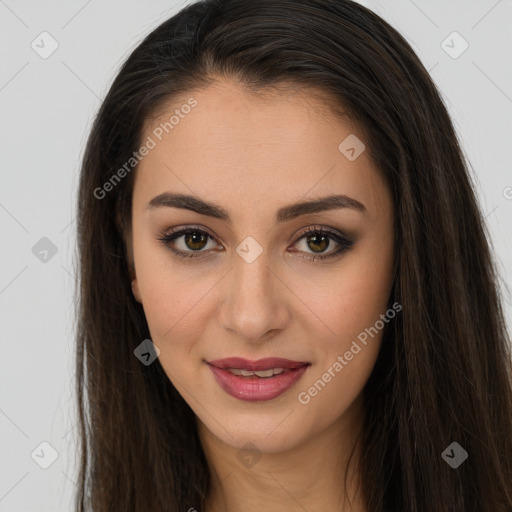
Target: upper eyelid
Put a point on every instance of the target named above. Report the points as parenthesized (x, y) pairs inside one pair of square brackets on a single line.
[(315, 227), (345, 242), (337, 236)]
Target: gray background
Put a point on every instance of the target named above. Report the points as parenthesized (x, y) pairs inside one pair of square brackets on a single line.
[(47, 106)]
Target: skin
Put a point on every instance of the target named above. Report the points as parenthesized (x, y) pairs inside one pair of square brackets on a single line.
[(252, 155)]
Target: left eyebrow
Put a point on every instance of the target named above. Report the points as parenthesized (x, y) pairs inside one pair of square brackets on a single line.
[(284, 214)]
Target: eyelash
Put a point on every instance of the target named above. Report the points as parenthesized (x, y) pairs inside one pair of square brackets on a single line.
[(345, 243)]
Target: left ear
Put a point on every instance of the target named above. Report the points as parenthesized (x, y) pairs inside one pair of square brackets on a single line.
[(131, 268), (127, 235), (135, 290)]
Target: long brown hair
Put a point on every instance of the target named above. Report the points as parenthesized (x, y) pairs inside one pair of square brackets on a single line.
[(444, 369)]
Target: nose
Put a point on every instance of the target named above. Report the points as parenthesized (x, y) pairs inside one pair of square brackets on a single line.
[(255, 306)]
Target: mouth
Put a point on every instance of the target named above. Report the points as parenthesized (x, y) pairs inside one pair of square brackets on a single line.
[(259, 366), (260, 380)]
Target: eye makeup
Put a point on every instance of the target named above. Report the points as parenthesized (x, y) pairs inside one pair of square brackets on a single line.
[(318, 235)]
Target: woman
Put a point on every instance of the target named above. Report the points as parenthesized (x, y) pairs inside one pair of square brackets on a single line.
[(340, 344)]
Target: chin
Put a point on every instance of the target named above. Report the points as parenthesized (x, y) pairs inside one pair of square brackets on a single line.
[(274, 434)]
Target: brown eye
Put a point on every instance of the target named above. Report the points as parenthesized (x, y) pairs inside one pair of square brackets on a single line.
[(316, 239), (319, 240), (194, 241)]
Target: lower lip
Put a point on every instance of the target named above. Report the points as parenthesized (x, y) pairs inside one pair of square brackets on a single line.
[(256, 389)]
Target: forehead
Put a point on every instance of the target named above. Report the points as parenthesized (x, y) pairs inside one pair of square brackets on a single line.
[(240, 149)]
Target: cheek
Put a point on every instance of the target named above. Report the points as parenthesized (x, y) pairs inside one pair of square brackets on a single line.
[(355, 308), (174, 306), (174, 302), (350, 298), (334, 388), (346, 353), (169, 290)]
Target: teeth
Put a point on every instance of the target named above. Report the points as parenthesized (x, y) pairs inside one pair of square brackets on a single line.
[(264, 373)]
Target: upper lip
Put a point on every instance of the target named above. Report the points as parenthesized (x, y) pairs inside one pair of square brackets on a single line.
[(259, 365)]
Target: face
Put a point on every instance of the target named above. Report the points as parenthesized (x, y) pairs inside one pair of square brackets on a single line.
[(258, 278)]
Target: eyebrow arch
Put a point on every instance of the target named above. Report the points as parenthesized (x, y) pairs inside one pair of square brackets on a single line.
[(286, 213)]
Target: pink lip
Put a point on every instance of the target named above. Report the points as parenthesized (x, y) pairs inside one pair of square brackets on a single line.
[(254, 389), (259, 365)]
